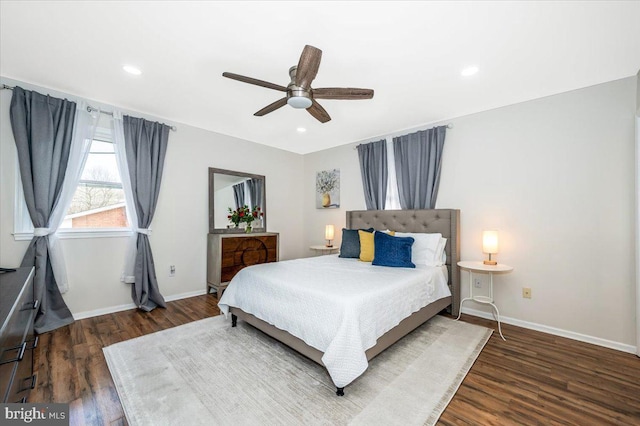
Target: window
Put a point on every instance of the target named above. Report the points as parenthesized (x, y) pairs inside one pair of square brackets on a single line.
[(99, 198), (98, 205)]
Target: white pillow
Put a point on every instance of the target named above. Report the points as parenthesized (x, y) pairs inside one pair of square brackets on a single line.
[(427, 248), (441, 249)]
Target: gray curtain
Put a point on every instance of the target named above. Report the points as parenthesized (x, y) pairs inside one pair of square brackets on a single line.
[(418, 159), (146, 147), (373, 168), (42, 128), (255, 190), (238, 194)]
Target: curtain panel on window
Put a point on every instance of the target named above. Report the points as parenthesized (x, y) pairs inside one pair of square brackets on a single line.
[(373, 169), (146, 147), (238, 194), (83, 132), (418, 161), (42, 128), (255, 192)]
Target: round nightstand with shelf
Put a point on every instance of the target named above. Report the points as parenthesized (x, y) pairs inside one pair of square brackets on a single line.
[(322, 250), (481, 268)]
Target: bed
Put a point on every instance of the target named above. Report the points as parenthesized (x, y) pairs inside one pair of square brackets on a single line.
[(316, 307)]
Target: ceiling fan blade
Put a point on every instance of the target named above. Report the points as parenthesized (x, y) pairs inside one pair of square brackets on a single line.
[(318, 112), (271, 107), (308, 66), (342, 93), (255, 81)]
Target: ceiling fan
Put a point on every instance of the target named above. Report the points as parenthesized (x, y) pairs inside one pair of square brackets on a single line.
[(299, 92)]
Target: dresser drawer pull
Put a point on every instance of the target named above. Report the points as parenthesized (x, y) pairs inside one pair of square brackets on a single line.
[(30, 305), (20, 349), (31, 385), (34, 381), (35, 342)]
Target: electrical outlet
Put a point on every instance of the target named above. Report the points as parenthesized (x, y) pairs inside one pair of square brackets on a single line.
[(526, 293), (477, 283), (172, 270)]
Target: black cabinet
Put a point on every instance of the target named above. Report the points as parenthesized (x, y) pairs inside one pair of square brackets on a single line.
[(18, 309)]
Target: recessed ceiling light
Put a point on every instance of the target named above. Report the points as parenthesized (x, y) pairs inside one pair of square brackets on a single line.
[(132, 70), (301, 129), (469, 71)]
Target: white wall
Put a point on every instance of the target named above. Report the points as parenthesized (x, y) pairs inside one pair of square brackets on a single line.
[(556, 177), (180, 224), (344, 158), (638, 214), (638, 94)]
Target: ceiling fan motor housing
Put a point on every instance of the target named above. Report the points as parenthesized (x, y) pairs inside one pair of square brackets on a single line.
[(297, 97)]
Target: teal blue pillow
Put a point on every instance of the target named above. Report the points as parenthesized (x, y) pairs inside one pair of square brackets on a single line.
[(392, 251), (350, 247)]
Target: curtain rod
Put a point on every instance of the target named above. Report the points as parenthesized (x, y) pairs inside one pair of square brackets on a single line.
[(89, 108), (448, 126)]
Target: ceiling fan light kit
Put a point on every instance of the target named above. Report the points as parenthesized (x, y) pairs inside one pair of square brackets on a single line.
[(300, 95), (299, 102)]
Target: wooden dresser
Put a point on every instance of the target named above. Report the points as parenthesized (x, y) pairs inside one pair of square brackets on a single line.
[(17, 339), (229, 253)]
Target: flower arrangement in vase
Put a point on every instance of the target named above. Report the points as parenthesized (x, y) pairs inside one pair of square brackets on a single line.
[(244, 214)]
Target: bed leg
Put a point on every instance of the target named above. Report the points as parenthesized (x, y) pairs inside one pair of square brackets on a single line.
[(234, 320), (340, 391)]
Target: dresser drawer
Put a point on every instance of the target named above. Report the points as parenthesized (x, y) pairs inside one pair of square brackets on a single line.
[(22, 379), (228, 254), (17, 325), (17, 340), (238, 253)]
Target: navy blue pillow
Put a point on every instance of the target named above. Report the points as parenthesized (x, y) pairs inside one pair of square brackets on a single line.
[(350, 247), (392, 251)]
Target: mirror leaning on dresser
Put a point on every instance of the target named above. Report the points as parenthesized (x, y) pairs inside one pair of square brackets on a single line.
[(229, 247)]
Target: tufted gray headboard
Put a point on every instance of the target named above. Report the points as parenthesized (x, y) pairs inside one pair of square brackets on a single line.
[(444, 221)]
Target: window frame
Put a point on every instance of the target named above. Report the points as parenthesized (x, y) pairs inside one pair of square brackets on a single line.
[(23, 227)]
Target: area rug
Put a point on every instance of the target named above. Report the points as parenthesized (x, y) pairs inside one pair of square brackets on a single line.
[(208, 373)]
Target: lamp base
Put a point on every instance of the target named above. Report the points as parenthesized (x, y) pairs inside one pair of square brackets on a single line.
[(490, 262)]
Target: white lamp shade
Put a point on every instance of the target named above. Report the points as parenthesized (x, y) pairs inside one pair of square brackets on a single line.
[(328, 232), (490, 242)]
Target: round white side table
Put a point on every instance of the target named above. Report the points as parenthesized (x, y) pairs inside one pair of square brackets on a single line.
[(322, 250), (481, 268)]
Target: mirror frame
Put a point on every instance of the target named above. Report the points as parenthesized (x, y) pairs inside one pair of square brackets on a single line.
[(212, 229)]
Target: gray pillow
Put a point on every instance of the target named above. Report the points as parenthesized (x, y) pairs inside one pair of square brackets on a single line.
[(350, 247)]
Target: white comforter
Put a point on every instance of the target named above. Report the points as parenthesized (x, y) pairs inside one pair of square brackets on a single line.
[(338, 306)]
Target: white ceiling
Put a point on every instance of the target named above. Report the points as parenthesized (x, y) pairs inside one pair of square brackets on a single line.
[(410, 53)]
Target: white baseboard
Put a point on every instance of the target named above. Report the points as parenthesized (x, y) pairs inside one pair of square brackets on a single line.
[(185, 295), (127, 306), (555, 331)]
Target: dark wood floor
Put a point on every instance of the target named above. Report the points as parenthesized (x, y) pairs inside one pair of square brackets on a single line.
[(532, 378)]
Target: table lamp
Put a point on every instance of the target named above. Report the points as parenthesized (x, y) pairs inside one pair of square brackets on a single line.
[(328, 235), (490, 245)]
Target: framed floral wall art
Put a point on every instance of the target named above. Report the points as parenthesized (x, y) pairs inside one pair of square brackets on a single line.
[(328, 189)]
